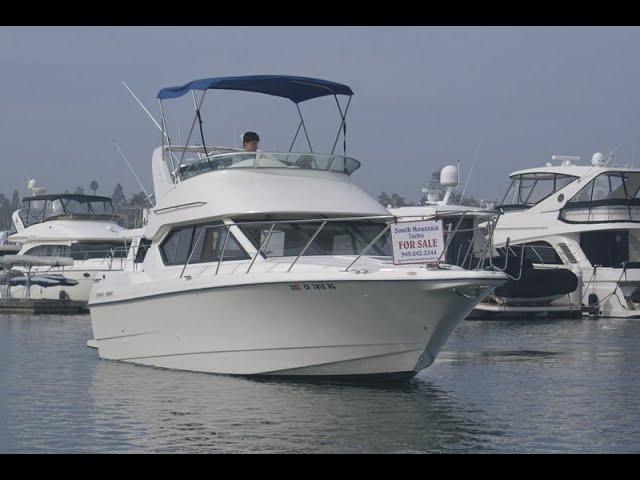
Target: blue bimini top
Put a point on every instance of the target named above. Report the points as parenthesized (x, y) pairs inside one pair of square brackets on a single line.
[(296, 89)]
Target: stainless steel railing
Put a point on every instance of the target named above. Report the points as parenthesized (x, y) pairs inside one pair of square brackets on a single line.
[(482, 261)]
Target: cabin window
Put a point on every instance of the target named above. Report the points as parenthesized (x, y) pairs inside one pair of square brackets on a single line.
[(175, 249), (208, 242), (90, 250), (49, 251), (609, 186), (606, 248), (203, 243), (535, 252), (529, 189), (336, 238), (141, 252)]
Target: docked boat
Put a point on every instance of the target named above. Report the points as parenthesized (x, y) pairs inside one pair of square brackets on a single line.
[(82, 227), (569, 237), (264, 263)]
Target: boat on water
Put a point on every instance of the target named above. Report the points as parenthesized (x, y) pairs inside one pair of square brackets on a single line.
[(569, 235), (267, 263), (82, 227)]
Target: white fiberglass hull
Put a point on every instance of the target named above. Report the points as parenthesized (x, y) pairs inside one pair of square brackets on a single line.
[(80, 292), (291, 328)]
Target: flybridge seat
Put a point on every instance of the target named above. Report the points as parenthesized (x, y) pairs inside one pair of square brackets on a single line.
[(310, 161)]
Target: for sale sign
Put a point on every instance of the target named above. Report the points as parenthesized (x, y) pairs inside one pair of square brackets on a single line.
[(417, 242)]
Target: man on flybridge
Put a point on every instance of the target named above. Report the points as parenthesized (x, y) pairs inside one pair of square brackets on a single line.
[(250, 141)]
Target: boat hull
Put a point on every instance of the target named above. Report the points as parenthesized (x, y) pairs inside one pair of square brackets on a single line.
[(79, 292), (329, 328)]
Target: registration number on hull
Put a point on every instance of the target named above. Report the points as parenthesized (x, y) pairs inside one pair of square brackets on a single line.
[(301, 287)]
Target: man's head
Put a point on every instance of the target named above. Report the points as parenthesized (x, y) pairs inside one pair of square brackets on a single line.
[(250, 141)]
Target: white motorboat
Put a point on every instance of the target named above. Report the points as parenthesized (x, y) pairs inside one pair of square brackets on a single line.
[(82, 227), (571, 237), (261, 263)]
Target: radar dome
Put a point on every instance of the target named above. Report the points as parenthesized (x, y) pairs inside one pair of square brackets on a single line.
[(597, 159), (449, 176)]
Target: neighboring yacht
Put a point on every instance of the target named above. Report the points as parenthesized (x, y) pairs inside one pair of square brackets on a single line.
[(83, 227), (259, 263), (580, 228)]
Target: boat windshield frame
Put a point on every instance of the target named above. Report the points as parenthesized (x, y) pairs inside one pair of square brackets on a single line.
[(535, 177), (625, 203), (263, 160), (61, 210), (296, 89)]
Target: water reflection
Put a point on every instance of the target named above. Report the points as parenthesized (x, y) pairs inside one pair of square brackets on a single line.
[(189, 412), (535, 386)]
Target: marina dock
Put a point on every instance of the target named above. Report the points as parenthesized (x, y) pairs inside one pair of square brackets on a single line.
[(43, 306)]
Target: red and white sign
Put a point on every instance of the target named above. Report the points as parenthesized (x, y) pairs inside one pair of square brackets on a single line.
[(417, 242)]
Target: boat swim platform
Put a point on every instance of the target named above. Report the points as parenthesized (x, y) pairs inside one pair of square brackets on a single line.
[(43, 306)]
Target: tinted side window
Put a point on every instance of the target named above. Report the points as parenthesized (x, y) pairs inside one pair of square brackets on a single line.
[(89, 250), (175, 248), (49, 251), (200, 244), (208, 242), (143, 247)]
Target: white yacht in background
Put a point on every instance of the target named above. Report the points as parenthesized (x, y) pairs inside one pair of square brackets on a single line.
[(83, 227), (258, 263), (580, 228)]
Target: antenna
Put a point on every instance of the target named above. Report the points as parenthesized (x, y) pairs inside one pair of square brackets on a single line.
[(475, 157), (142, 106), (132, 171), (611, 154)]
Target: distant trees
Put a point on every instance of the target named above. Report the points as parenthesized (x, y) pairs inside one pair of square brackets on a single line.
[(93, 186), (15, 200), (118, 199), (394, 200), (5, 212), (79, 191)]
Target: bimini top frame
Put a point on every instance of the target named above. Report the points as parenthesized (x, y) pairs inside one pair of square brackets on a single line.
[(296, 89)]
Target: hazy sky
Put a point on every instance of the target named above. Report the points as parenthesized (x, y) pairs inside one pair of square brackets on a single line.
[(424, 97)]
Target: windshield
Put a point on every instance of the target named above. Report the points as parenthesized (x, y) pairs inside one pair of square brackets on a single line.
[(309, 161), (40, 209), (335, 238), (529, 189), (609, 186)]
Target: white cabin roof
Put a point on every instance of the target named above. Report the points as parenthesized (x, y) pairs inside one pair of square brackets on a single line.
[(575, 170)]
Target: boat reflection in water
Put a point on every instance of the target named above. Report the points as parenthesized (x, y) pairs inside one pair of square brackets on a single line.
[(164, 411)]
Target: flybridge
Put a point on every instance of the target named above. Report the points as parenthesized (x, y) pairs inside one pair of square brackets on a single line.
[(40, 208), (297, 89)]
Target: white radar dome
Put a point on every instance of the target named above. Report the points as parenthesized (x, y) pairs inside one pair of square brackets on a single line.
[(449, 176), (597, 159)]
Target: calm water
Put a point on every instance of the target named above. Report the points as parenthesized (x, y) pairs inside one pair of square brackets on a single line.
[(509, 386)]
